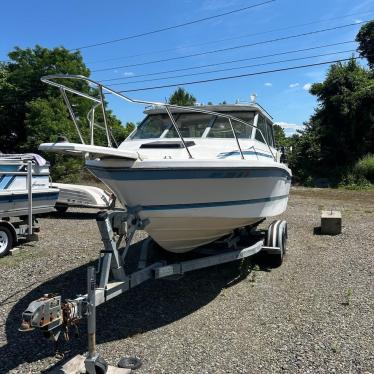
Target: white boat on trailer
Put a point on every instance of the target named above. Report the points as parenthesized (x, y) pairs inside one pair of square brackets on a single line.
[(24, 192), (186, 175), (194, 173), (13, 185), (82, 196)]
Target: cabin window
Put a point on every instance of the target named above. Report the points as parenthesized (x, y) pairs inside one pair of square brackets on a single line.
[(261, 125), (221, 127), (152, 127), (267, 130), (190, 125), (270, 133)]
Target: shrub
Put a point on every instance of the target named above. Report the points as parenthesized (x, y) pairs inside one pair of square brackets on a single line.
[(364, 168), (353, 181)]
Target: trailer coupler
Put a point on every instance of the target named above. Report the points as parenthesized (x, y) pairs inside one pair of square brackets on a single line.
[(52, 316)]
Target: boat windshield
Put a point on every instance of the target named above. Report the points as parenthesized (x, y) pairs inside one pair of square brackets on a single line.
[(152, 127), (194, 125), (190, 125), (221, 127)]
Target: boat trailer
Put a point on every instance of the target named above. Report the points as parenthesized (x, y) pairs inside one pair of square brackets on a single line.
[(52, 316)]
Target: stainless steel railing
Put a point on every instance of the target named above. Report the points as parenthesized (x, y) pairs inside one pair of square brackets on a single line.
[(99, 101)]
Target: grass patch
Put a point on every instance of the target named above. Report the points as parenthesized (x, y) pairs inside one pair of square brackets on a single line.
[(357, 187), (13, 260)]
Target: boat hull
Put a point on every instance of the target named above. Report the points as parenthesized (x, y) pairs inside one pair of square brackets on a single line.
[(73, 195), (190, 207), (15, 203), (14, 186)]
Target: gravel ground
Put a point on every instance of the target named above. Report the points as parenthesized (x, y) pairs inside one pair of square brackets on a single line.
[(314, 314)]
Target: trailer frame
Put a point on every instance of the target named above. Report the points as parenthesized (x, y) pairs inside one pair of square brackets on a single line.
[(51, 315)]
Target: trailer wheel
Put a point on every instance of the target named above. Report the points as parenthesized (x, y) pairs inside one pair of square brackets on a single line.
[(6, 241), (276, 238), (61, 208)]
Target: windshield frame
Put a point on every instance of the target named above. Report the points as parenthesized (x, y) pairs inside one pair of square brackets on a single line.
[(53, 80), (210, 124)]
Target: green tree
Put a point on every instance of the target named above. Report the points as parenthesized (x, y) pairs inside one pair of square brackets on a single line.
[(341, 129), (32, 112), (279, 136), (181, 97), (21, 85), (365, 39), (345, 116), (304, 158)]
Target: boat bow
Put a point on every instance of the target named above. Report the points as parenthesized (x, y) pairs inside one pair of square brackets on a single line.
[(93, 150)]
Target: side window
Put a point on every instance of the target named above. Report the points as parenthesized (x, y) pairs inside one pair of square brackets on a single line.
[(270, 134), (261, 125)]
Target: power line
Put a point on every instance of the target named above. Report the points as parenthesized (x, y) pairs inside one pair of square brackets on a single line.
[(229, 62), (239, 76), (173, 27), (229, 39), (232, 48), (235, 68)]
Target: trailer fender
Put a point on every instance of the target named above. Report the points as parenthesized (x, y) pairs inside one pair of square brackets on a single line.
[(11, 229)]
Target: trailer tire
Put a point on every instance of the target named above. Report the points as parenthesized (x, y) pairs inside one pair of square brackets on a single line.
[(277, 237), (6, 240), (61, 209)]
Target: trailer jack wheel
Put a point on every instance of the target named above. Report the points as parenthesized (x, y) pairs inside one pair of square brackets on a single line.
[(101, 366), (96, 365), (6, 241)]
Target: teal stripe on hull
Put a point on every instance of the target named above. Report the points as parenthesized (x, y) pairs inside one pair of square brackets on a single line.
[(126, 174), (24, 196), (213, 204)]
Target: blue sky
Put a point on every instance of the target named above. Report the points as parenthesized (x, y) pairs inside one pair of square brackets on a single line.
[(285, 95)]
